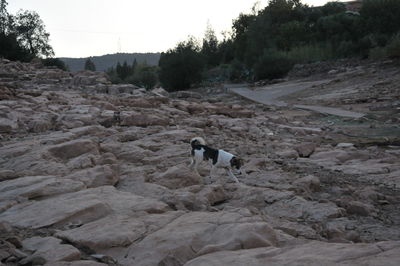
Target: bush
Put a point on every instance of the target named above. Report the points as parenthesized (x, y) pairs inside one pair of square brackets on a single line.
[(144, 76), (272, 65), (393, 48), (377, 53), (55, 62), (237, 71), (310, 53)]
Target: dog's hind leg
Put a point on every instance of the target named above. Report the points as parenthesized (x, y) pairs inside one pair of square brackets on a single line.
[(231, 175)]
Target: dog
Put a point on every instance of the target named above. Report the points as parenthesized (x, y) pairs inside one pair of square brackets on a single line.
[(219, 158)]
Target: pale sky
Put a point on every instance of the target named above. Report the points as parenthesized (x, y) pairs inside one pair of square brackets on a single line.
[(82, 28)]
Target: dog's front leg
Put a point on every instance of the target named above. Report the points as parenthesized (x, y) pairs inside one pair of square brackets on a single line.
[(212, 172), (231, 175), (191, 165)]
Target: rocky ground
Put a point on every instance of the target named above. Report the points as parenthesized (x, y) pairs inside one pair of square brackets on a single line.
[(82, 185)]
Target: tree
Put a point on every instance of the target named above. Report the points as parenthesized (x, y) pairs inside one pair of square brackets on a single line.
[(89, 65), (4, 17), (31, 34), (182, 66), (381, 16), (11, 50), (210, 47)]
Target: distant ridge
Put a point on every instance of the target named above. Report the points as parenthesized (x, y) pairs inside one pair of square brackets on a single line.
[(104, 62)]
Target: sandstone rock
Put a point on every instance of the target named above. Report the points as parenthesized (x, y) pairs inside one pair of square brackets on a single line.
[(287, 154), (178, 177), (7, 125), (359, 208), (308, 183), (345, 145), (116, 230), (144, 120), (100, 175), (214, 194), (7, 93), (199, 233), (32, 187), (39, 125), (73, 149), (128, 152), (299, 208), (75, 263), (160, 92), (305, 149), (7, 174), (51, 249), (312, 253), (79, 207), (187, 94)]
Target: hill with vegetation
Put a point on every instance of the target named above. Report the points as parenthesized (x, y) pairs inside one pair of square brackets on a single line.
[(105, 62)]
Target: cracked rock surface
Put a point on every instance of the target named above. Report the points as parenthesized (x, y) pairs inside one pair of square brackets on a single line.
[(80, 187)]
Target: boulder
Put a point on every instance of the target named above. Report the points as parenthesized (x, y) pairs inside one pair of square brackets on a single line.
[(305, 149)]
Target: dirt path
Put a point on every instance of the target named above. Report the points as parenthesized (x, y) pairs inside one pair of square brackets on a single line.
[(270, 95)]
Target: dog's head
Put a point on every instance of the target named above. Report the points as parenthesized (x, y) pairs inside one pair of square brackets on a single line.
[(197, 141), (236, 164)]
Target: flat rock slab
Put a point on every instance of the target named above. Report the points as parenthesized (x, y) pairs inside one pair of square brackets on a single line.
[(51, 249), (116, 230), (79, 207), (312, 253), (197, 233)]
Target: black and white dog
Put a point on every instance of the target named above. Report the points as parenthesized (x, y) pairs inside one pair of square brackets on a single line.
[(219, 158)]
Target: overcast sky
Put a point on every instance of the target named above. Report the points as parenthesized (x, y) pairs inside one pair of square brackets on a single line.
[(81, 28)]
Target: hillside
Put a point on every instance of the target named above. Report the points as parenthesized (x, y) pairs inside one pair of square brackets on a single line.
[(83, 185), (110, 60)]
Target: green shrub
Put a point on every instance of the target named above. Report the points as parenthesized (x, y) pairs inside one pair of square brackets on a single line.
[(377, 53), (144, 76), (393, 48), (55, 62), (346, 49), (271, 65), (310, 53), (237, 71)]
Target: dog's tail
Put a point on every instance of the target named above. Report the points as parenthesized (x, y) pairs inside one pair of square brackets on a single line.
[(197, 141)]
